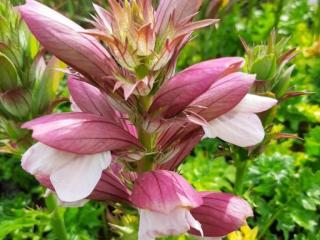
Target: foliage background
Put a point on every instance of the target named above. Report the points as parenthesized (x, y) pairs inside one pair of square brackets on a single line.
[(283, 185)]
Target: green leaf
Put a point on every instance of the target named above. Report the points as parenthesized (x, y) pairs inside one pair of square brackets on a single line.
[(9, 76)]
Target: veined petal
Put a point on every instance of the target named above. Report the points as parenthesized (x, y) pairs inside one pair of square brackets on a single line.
[(80, 133), (146, 40), (222, 96), (163, 191), (90, 99), (155, 224), (221, 214), (110, 188), (238, 128), (186, 86), (184, 150), (255, 104), (73, 176), (62, 37), (179, 9)]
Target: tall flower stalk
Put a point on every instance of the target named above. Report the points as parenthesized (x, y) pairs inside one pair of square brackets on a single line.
[(134, 119)]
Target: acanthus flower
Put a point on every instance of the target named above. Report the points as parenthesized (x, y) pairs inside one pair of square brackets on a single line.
[(132, 111)]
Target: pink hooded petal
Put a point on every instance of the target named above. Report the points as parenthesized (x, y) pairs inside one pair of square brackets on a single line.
[(184, 150), (186, 86), (222, 96), (221, 214), (62, 37), (155, 224), (80, 133), (241, 129), (90, 99), (110, 188), (255, 104), (72, 176), (162, 191)]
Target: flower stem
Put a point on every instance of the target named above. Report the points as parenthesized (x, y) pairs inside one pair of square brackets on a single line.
[(241, 163), (57, 221), (146, 138), (241, 169)]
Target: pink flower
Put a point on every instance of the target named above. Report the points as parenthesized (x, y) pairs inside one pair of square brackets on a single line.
[(164, 200), (75, 148), (168, 205), (215, 97)]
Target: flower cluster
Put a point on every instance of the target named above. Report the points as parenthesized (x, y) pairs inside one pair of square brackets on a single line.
[(134, 120)]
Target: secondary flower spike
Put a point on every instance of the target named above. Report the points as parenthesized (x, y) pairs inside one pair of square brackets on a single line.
[(134, 119)]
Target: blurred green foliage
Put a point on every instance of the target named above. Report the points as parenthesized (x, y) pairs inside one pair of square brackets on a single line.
[(283, 185)]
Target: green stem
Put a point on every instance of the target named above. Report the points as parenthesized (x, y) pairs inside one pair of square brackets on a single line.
[(57, 221), (241, 162), (146, 138), (241, 168)]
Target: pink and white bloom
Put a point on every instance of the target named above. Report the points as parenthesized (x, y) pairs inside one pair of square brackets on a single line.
[(241, 126), (73, 176), (216, 97), (164, 200), (168, 205), (74, 149)]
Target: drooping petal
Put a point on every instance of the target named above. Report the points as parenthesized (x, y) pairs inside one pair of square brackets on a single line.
[(80, 133), (222, 96), (189, 84), (221, 214), (241, 126), (255, 104), (109, 188), (241, 129), (163, 191), (90, 99), (155, 224), (73, 176), (62, 37)]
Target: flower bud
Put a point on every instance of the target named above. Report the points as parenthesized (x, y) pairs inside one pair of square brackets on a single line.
[(265, 67), (269, 62), (9, 75), (17, 102)]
